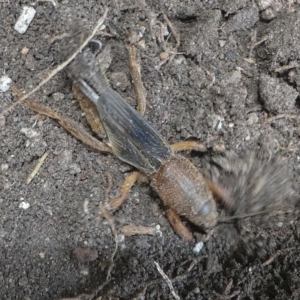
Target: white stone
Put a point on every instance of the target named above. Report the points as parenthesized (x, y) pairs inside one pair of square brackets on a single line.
[(30, 133), (263, 4), (121, 238), (222, 43), (3, 168), (158, 231), (198, 247), (5, 83), (25, 19), (24, 205)]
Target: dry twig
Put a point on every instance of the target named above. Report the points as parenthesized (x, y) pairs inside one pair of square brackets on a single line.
[(140, 294), (165, 56), (109, 218), (280, 116), (275, 255), (59, 67), (130, 230), (173, 30), (291, 65), (135, 72), (37, 167), (167, 279), (225, 295)]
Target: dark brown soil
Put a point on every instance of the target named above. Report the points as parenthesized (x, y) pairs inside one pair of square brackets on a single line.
[(228, 78)]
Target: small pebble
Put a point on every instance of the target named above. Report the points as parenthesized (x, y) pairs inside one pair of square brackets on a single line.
[(252, 119), (219, 126), (142, 44), (142, 31), (165, 30), (163, 56), (5, 83), (29, 133), (219, 148), (222, 43), (158, 231), (280, 224), (6, 186), (3, 168), (263, 4), (24, 205), (84, 272), (24, 51), (268, 14), (121, 238), (25, 19), (198, 247), (85, 254), (134, 38), (180, 59)]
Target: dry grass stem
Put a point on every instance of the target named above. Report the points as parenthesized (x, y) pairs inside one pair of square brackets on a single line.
[(167, 280), (37, 167), (135, 72), (130, 230), (59, 67), (110, 220), (280, 116)]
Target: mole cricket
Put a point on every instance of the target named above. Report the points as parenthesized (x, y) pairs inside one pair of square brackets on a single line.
[(180, 185)]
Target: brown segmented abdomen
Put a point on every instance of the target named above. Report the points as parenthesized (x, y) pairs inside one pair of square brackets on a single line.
[(183, 188)]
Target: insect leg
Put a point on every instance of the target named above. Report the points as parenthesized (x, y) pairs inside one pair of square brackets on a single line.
[(188, 145), (129, 181), (178, 225), (90, 111), (219, 192), (70, 126)]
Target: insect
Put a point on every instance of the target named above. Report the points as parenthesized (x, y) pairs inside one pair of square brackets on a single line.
[(179, 184), (176, 180)]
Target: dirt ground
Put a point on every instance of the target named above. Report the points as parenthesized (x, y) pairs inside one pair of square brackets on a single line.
[(234, 84)]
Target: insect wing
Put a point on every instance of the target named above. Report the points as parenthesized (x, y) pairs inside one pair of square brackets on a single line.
[(132, 139)]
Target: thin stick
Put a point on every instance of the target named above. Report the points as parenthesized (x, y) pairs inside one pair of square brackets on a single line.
[(167, 279), (280, 116), (110, 220), (131, 230), (59, 67), (173, 30), (142, 292), (275, 255), (37, 167), (291, 65), (135, 72)]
